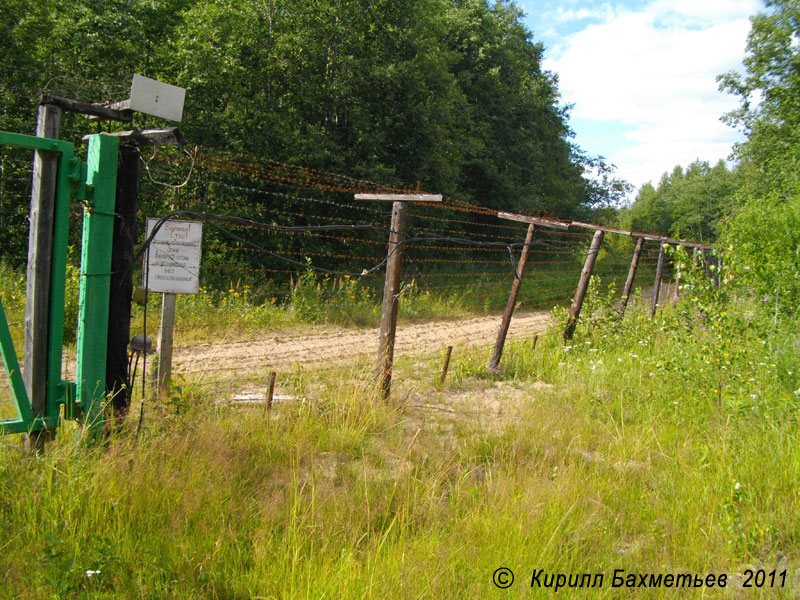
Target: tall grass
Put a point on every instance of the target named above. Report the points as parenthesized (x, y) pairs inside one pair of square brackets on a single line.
[(654, 446)]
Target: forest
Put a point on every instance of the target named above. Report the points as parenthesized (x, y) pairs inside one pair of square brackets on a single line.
[(450, 94)]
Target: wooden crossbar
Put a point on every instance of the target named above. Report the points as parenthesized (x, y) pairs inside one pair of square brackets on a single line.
[(400, 197)]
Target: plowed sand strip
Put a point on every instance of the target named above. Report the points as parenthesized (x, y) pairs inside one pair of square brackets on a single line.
[(342, 346)]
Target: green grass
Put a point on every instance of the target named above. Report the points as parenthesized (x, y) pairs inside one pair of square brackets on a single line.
[(654, 446)]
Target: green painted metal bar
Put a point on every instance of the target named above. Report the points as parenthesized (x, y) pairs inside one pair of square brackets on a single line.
[(98, 229), (56, 389), (24, 412), (25, 422), (36, 143)]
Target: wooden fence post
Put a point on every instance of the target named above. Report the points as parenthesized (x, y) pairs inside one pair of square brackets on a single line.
[(494, 361), (391, 301), (583, 284), (391, 287), (165, 340), (37, 292), (657, 283), (626, 294)]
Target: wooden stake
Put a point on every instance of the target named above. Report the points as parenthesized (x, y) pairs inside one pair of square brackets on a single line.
[(271, 389), (657, 283), (583, 284), (165, 340), (37, 293), (535, 340), (391, 300), (494, 361), (446, 364), (626, 294)]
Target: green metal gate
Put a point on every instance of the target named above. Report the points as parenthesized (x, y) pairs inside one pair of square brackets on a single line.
[(93, 183)]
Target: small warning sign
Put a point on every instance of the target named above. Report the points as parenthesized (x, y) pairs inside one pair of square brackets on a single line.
[(173, 257)]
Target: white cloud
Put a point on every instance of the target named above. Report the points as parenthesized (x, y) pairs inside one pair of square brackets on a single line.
[(654, 70), (704, 11), (563, 15)]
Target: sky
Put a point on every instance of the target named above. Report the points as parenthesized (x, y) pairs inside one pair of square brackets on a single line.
[(641, 76)]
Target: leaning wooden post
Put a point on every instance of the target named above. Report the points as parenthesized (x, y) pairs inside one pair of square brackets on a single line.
[(583, 284), (447, 355), (626, 294), (494, 361), (391, 287), (37, 293), (657, 283)]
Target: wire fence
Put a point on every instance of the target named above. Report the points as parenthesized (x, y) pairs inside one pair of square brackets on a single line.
[(292, 271)]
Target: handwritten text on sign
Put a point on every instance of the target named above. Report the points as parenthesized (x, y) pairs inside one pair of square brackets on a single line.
[(173, 258)]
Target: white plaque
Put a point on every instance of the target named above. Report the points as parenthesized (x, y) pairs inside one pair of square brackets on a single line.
[(158, 99), (173, 258)]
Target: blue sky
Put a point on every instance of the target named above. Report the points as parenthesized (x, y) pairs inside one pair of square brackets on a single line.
[(641, 76)]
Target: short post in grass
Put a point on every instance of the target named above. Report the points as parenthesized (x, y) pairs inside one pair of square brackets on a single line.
[(657, 283), (447, 354), (626, 294), (583, 284), (271, 389), (391, 287), (494, 361)]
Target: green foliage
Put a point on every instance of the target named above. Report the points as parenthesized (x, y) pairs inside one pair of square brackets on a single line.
[(71, 294), (762, 239), (763, 242), (448, 94), (691, 203), (769, 92)]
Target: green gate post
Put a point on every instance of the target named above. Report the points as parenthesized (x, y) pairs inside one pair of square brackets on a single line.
[(99, 193), (57, 391), (98, 230)]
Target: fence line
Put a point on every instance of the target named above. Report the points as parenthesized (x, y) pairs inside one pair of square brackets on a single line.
[(278, 274)]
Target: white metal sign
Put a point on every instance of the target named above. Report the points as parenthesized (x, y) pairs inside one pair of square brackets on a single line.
[(173, 258), (155, 98)]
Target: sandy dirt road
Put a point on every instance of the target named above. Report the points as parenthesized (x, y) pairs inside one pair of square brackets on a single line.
[(342, 346)]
